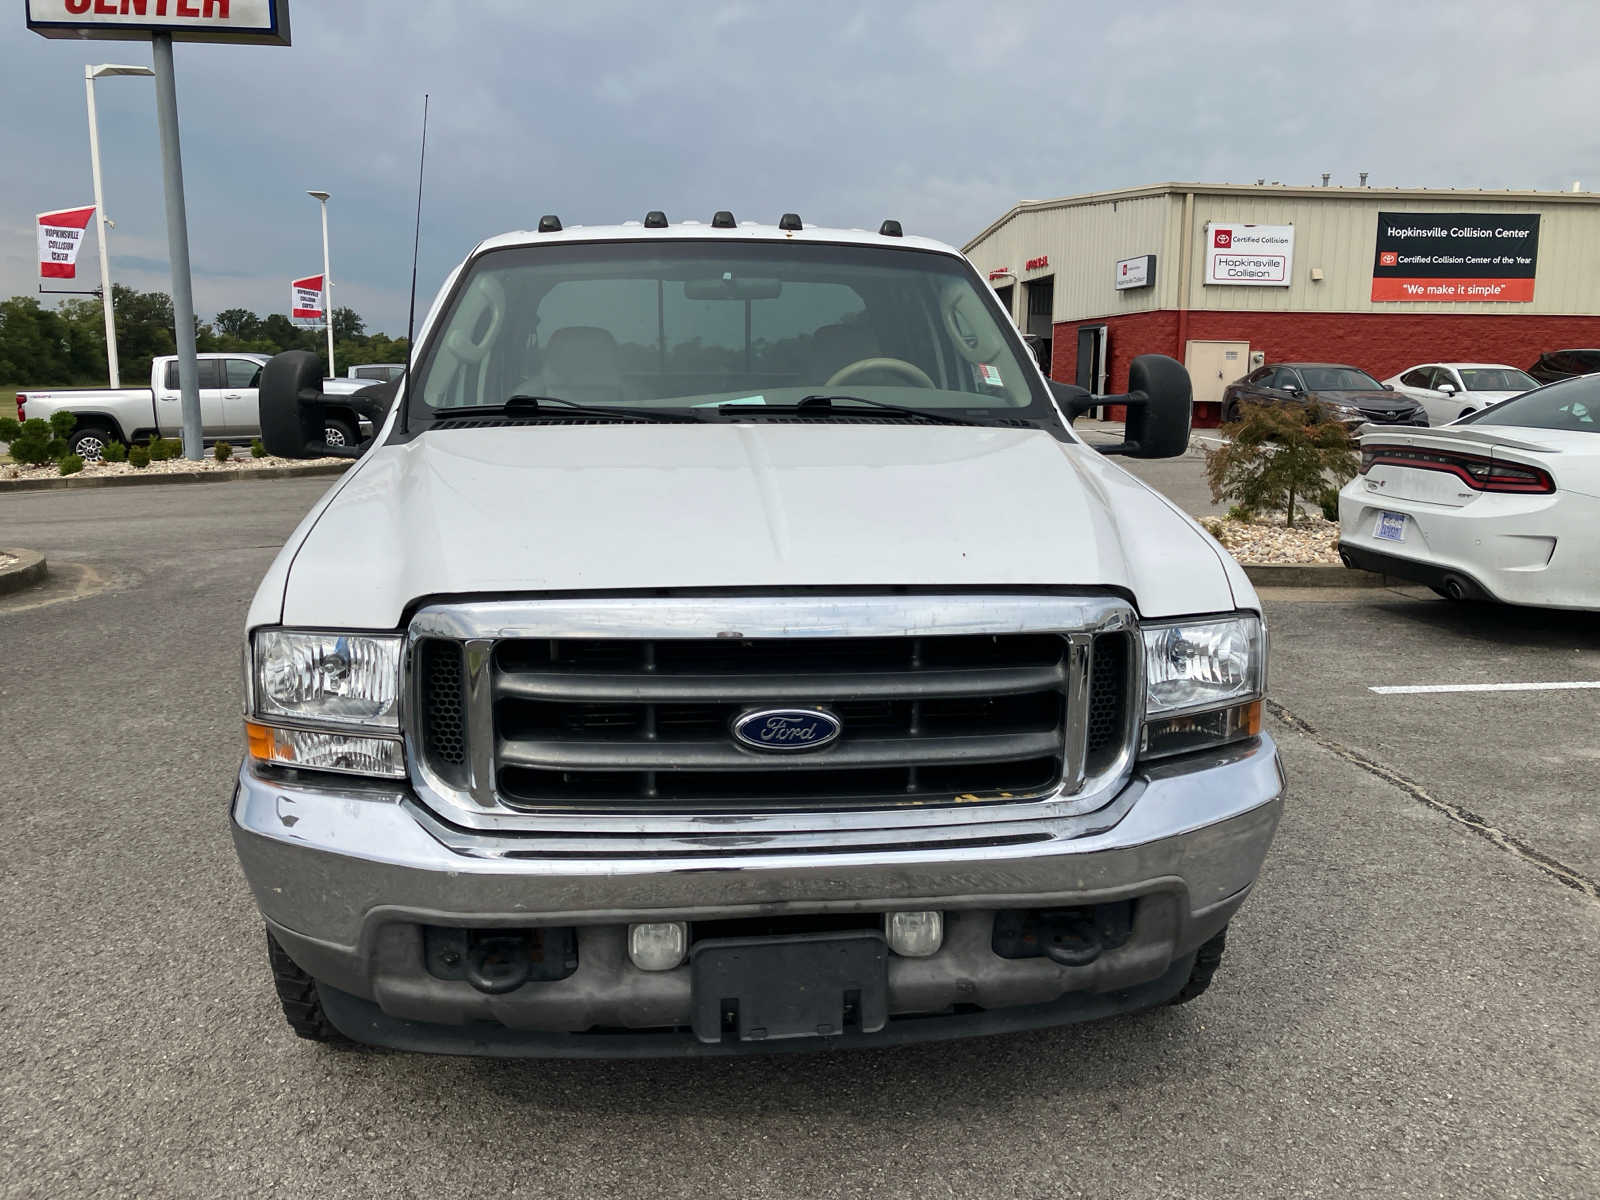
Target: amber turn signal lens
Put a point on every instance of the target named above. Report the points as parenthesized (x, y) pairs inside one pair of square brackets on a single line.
[(1252, 718), (261, 740)]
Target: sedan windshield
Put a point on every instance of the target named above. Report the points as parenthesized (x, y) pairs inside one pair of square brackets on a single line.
[(1339, 379), (1496, 379), (1570, 404), (721, 327)]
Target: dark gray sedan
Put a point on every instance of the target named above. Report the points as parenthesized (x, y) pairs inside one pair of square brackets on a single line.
[(1344, 394)]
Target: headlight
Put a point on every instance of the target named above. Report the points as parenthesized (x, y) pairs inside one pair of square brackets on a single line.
[(1204, 681), (327, 701)]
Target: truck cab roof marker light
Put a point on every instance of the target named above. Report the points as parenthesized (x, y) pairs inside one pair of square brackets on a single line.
[(890, 228), (790, 223), (550, 223), (655, 219), (723, 220)]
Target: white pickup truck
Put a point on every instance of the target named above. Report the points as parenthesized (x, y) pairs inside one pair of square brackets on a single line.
[(229, 407), (728, 645)]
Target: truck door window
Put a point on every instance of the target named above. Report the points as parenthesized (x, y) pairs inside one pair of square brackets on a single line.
[(242, 373)]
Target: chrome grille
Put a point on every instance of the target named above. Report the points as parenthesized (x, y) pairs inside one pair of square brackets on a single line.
[(608, 708), (645, 724)]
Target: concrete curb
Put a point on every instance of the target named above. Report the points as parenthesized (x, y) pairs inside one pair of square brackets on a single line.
[(29, 571), (1297, 575), (105, 481)]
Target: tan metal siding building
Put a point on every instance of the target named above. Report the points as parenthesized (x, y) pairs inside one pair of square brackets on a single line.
[(1061, 255)]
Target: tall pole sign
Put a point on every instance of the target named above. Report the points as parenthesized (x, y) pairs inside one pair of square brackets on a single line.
[(162, 22)]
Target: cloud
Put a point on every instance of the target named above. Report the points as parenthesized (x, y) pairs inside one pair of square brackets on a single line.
[(939, 113)]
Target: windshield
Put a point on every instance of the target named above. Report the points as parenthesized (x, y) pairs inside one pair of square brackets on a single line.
[(699, 324), (1570, 404), (1339, 379), (1496, 379)]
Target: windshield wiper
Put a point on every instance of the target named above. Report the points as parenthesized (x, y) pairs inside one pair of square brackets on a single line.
[(821, 404), (555, 407)]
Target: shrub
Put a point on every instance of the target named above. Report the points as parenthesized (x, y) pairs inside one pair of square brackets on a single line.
[(34, 443), (9, 428), (1239, 512), (114, 452), (258, 449), (1330, 503), (162, 449), (69, 464), (61, 423), (1274, 457), (139, 457), (222, 451)]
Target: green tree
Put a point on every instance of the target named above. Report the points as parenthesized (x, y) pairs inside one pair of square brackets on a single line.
[(348, 325), (238, 323), (1276, 456), (146, 328), (35, 343)]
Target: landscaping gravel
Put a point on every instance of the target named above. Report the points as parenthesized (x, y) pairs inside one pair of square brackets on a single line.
[(171, 466), (1312, 540)]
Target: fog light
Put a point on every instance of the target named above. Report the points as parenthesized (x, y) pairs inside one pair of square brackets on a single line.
[(657, 945), (914, 934)]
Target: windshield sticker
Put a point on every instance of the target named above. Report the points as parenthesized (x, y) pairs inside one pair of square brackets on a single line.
[(989, 375)]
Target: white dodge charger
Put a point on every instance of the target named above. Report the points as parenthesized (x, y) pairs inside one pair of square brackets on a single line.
[(1503, 505)]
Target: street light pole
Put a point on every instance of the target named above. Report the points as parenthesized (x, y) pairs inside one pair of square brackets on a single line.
[(327, 279), (90, 74)]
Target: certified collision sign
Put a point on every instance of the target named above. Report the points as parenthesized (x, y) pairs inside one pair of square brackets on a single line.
[(1455, 256), (1249, 255)]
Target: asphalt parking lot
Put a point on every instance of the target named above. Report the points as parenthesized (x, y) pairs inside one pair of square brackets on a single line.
[(1408, 1005)]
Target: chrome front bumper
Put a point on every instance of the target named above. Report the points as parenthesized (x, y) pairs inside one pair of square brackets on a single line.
[(346, 876)]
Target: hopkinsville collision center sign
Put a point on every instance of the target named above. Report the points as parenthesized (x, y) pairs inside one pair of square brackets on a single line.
[(60, 239), (1249, 255), (1455, 256), (261, 21)]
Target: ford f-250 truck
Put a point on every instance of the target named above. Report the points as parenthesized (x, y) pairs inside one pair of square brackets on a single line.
[(729, 645), (229, 406)]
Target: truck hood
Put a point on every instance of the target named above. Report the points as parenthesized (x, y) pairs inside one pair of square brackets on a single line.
[(555, 508)]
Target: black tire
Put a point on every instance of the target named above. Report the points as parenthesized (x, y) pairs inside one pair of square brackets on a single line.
[(1205, 966), (340, 431), (1230, 412), (90, 441), (297, 993)]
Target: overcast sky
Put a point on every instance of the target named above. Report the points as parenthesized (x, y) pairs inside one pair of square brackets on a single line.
[(942, 114)]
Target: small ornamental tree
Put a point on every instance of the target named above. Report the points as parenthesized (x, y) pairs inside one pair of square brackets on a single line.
[(1276, 456)]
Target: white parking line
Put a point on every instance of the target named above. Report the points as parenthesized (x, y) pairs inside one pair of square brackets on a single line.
[(1421, 688)]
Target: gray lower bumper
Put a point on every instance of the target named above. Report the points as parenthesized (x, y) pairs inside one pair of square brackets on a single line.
[(345, 877)]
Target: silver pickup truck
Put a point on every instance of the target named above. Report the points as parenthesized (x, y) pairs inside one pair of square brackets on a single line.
[(230, 407)]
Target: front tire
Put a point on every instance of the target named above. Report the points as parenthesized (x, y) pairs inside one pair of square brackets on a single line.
[(1206, 962), (297, 994)]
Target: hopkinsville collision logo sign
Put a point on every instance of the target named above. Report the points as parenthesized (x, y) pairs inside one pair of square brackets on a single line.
[(305, 298), (1456, 256), (1249, 255), (60, 239)]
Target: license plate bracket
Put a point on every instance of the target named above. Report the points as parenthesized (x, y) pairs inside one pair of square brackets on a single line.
[(773, 988), (1391, 527)]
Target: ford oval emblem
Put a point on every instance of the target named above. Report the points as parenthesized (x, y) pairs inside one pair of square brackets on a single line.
[(787, 729)]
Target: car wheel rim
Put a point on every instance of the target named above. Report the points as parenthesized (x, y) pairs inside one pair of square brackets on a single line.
[(90, 449), (333, 436)]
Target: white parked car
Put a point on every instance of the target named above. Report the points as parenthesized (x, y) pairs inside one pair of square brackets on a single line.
[(1449, 391), (1503, 505)]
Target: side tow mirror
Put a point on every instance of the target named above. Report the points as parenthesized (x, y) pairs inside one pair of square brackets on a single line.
[(1160, 402), (292, 405)]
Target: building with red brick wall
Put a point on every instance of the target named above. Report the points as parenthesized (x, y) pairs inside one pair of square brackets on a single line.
[(1226, 276)]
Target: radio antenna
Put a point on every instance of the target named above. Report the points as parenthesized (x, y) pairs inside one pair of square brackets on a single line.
[(416, 245)]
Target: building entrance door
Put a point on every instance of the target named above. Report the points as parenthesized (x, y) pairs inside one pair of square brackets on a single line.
[(1041, 316)]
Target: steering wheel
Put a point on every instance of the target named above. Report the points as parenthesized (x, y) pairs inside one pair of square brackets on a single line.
[(897, 366)]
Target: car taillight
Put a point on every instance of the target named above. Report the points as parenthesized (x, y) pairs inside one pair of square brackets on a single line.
[(1479, 473)]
